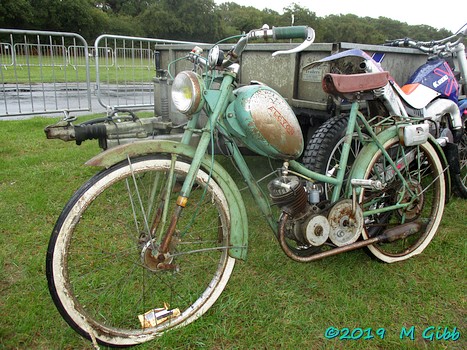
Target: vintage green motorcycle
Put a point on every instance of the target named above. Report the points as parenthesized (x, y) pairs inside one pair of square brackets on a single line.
[(149, 243)]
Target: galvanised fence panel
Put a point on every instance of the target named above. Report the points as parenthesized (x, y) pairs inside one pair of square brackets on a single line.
[(36, 76), (125, 70)]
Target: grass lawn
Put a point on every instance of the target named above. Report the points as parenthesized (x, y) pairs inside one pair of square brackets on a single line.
[(31, 70), (270, 302)]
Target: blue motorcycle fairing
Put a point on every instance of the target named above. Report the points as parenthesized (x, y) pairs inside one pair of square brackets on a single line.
[(437, 75)]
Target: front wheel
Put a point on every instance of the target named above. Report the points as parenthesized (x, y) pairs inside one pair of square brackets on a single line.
[(422, 192), (101, 263), (460, 179)]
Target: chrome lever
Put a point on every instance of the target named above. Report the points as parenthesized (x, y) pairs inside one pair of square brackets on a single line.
[(308, 41)]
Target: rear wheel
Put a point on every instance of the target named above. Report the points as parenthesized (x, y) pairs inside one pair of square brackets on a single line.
[(102, 268), (423, 193)]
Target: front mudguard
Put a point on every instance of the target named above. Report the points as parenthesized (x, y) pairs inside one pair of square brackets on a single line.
[(364, 158), (238, 216)]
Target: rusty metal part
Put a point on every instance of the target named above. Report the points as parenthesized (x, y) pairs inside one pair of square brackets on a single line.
[(275, 121), (167, 267), (401, 231), (149, 259), (166, 240), (157, 219), (390, 235), (264, 122), (414, 210), (346, 221)]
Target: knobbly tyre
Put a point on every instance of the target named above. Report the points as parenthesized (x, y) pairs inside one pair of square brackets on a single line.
[(158, 230), (435, 93)]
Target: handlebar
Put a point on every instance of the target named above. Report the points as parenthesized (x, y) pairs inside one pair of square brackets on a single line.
[(291, 32), (431, 47), (302, 32), (276, 33)]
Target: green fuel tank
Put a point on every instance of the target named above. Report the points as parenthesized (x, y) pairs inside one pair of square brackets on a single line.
[(264, 122)]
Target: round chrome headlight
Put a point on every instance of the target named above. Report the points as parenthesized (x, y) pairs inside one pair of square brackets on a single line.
[(188, 92)]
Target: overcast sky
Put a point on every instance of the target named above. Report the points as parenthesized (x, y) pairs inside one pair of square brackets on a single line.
[(451, 14)]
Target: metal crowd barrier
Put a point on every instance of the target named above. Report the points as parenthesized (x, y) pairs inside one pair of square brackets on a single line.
[(54, 72), (125, 70), (35, 74)]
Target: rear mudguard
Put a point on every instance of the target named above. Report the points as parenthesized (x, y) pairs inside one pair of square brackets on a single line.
[(238, 216), (364, 158)]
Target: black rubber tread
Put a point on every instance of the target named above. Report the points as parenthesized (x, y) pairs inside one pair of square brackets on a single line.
[(323, 141), (459, 187)]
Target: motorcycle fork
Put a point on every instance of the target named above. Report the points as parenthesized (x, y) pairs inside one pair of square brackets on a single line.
[(206, 135)]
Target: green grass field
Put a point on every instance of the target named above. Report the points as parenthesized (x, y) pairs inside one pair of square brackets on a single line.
[(270, 302), (32, 69)]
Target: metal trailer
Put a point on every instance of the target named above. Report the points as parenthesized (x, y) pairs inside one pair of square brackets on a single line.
[(289, 75)]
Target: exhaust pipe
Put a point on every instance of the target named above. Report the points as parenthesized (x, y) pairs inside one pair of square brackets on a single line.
[(389, 235)]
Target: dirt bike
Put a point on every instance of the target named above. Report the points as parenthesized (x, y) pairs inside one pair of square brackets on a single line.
[(149, 243), (434, 93)]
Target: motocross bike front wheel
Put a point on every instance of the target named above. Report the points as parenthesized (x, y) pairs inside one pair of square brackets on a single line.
[(102, 262), (423, 191), (460, 180)]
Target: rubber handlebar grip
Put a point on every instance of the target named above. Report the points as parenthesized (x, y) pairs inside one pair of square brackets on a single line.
[(295, 32)]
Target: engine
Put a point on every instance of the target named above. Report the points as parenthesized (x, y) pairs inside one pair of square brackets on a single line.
[(289, 194), (310, 222), (308, 226)]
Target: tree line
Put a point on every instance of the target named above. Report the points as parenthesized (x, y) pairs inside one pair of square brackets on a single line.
[(196, 20)]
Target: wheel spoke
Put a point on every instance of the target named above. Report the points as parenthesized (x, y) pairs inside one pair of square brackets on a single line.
[(419, 187), (103, 267)]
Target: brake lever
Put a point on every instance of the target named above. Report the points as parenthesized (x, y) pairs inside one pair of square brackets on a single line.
[(308, 41)]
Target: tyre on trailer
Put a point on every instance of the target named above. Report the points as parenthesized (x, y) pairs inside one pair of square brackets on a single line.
[(101, 270)]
